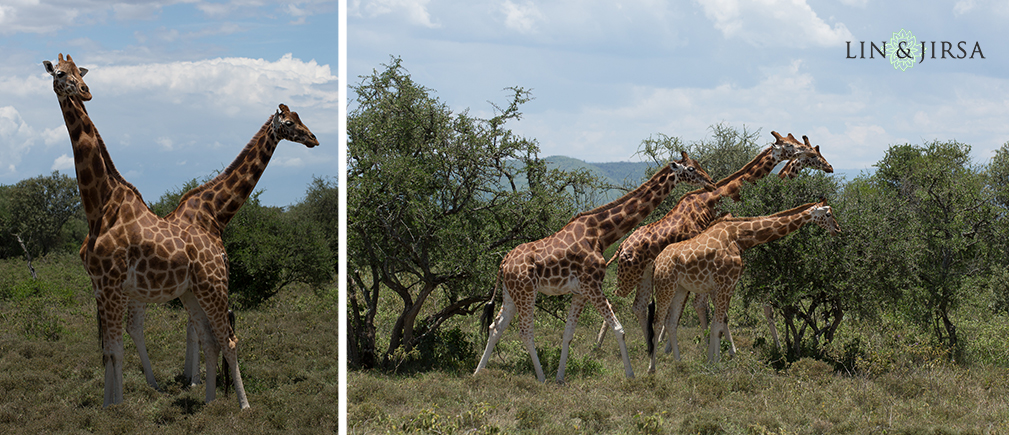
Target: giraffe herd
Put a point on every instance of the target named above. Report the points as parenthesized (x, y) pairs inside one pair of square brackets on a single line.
[(690, 250), (135, 257)]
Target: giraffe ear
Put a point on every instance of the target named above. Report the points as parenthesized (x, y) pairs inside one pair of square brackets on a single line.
[(283, 108), (684, 155), (49, 67), (83, 71)]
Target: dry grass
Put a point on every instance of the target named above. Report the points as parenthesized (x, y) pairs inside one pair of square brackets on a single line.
[(741, 395), (52, 377)]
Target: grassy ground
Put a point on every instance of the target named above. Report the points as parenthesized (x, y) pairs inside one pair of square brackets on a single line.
[(52, 377), (900, 385)]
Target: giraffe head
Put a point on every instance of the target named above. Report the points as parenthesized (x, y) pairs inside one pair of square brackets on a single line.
[(688, 170), (824, 217), (68, 79), (287, 125), (788, 147), (813, 160)]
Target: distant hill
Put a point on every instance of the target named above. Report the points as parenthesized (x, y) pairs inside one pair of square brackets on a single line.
[(613, 172), (626, 174), (631, 174)]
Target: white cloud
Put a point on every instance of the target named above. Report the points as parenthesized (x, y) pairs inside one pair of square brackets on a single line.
[(16, 138), (63, 163), (415, 10), (789, 23), (165, 143), (228, 84), (55, 135), (521, 18)]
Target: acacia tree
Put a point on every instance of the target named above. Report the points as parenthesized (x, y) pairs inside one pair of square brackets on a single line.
[(37, 209), (435, 199), (950, 214)]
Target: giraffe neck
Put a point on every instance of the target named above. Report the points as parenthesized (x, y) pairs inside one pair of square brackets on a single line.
[(751, 232), (615, 219), (697, 208), (758, 168), (97, 177), (213, 204)]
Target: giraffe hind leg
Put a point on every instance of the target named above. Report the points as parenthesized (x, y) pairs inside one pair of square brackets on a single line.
[(497, 328)]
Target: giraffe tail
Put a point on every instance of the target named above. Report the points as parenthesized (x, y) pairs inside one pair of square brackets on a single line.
[(650, 335), (488, 309), (615, 254)]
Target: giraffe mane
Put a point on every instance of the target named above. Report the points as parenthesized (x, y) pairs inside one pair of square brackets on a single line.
[(791, 211), (665, 170)]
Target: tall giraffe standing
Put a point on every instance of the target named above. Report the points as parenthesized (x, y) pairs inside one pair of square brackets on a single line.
[(131, 253), (691, 215), (212, 205), (571, 261), (711, 263)]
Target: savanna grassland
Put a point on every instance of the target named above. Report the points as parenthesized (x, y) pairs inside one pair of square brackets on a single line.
[(52, 376), (888, 380)]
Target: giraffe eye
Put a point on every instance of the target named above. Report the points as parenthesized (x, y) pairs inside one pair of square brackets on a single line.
[(60, 74), (289, 123), (690, 168)]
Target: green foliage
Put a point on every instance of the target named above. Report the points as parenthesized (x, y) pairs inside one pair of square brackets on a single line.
[(434, 204), (45, 211), (950, 217), (269, 249)]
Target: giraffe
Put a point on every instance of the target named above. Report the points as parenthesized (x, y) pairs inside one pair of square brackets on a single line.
[(711, 263), (131, 253), (691, 215), (791, 170), (571, 261), (212, 205)]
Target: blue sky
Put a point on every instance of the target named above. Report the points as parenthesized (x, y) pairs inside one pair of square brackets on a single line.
[(607, 74), (180, 86)]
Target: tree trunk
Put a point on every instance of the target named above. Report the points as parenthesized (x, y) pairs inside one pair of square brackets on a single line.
[(27, 255)]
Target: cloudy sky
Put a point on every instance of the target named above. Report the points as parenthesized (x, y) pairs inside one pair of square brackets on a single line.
[(607, 74), (180, 86)]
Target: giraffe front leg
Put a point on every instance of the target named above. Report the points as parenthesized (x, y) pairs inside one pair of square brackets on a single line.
[(577, 303), (135, 327), (110, 311)]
